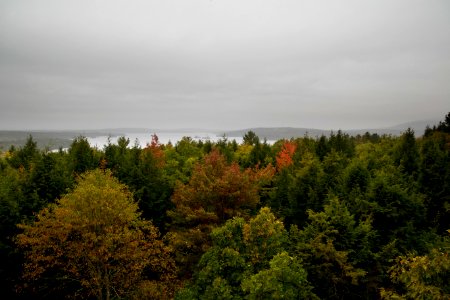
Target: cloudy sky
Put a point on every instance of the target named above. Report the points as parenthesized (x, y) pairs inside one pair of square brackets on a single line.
[(222, 64)]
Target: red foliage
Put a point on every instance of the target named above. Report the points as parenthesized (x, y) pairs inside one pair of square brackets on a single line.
[(284, 157)]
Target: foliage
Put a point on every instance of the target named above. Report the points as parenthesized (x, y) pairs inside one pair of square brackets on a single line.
[(217, 191), (143, 171), (434, 178), (398, 211), (24, 157), (239, 250), (284, 157), (285, 279), (93, 243), (250, 138), (422, 277), (407, 154), (298, 190), (81, 156), (342, 142), (331, 246), (369, 214)]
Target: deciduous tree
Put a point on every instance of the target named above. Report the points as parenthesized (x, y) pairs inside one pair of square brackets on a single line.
[(217, 191), (92, 243), (421, 277)]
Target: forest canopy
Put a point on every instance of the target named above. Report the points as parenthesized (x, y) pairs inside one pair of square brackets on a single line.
[(333, 217)]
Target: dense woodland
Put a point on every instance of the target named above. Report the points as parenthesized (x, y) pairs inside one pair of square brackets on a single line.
[(336, 217)]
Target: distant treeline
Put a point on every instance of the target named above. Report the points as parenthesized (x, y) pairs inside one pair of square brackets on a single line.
[(50, 140), (329, 217)]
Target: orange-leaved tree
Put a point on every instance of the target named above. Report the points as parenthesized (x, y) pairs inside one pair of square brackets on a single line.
[(284, 157), (93, 243), (216, 192), (157, 151)]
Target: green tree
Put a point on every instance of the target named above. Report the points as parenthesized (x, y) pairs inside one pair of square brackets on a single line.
[(259, 154), (81, 156), (356, 177), (334, 164), (250, 138), (181, 159), (144, 172), (333, 245), (285, 279), (398, 210), (445, 125), (322, 147), (434, 179), (115, 155), (50, 178), (406, 155), (11, 201), (342, 142), (25, 156), (93, 243), (307, 190), (240, 250)]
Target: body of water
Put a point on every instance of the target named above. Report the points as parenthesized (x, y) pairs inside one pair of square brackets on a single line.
[(142, 139)]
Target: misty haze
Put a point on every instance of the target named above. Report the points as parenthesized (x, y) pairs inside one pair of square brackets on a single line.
[(222, 65)]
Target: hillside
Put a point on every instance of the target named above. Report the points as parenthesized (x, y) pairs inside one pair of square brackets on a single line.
[(275, 133)]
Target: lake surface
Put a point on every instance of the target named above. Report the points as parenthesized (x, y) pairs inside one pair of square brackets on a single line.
[(142, 139)]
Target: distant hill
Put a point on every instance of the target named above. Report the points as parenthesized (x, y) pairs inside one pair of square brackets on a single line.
[(417, 126), (46, 138), (276, 133)]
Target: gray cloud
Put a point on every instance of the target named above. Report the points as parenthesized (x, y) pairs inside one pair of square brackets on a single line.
[(222, 63)]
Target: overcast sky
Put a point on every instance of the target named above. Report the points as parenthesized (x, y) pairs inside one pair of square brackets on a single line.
[(222, 64)]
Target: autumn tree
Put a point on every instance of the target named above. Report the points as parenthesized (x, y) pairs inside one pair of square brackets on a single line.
[(284, 157), (217, 191), (93, 243), (421, 276)]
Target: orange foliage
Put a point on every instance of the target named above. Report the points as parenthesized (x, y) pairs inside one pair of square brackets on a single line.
[(217, 191), (155, 148), (284, 157)]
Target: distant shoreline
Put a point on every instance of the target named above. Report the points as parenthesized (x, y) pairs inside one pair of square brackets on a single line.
[(55, 139)]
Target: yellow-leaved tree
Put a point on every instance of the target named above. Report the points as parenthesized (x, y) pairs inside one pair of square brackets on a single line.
[(93, 243)]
